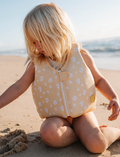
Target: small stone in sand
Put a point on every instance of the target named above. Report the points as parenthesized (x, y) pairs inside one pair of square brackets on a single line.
[(17, 124)]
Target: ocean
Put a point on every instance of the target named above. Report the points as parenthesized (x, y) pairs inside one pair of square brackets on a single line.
[(106, 52)]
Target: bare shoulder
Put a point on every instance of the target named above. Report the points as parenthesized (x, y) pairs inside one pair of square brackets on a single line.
[(91, 64), (28, 76), (87, 57), (30, 70)]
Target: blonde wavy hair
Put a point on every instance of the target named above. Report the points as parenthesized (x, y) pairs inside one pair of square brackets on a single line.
[(50, 25)]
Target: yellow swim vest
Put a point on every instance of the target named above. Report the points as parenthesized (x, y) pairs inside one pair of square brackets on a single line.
[(66, 92)]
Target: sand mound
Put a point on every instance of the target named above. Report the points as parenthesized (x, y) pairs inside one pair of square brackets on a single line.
[(14, 142)]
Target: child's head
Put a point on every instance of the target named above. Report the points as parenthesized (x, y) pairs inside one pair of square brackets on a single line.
[(49, 25)]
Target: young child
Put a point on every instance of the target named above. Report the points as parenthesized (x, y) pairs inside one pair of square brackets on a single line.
[(63, 78)]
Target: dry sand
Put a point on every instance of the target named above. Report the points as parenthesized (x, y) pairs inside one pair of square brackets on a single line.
[(22, 115)]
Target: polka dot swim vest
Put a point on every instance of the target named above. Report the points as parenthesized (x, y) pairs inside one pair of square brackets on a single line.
[(67, 92)]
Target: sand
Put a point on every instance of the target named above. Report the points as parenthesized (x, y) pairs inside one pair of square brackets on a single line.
[(21, 116)]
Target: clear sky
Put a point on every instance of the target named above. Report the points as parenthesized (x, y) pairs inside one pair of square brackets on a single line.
[(92, 19)]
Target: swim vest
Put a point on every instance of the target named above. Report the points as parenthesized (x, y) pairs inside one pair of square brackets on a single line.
[(69, 91)]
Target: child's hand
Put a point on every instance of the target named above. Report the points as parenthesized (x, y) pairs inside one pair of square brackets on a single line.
[(115, 106)]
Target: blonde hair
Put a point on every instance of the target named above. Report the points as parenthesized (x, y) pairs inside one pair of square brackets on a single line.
[(50, 25)]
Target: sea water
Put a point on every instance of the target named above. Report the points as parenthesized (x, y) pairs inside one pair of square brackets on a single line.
[(106, 52)]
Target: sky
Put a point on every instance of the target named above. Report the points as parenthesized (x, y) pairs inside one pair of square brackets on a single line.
[(91, 19)]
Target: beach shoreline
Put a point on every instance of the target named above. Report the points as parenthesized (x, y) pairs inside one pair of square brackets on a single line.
[(22, 114)]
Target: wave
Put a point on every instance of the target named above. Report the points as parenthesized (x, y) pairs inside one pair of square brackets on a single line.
[(105, 45)]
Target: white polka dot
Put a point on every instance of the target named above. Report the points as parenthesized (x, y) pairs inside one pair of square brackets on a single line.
[(81, 70), (81, 103), (74, 105), (55, 102), (47, 100), (40, 89), (91, 93), (78, 81), (39, 104), (78, 62), (73, 59), (71, 75), (46, 110), (50, 80), (82, 85), (62, 108), (84, 92), (41, 78), (74, 98), (43, 93), (57, 85), (45, 84)]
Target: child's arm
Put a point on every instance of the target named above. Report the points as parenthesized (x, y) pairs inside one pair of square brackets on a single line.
[(15, 90), (103, 85)]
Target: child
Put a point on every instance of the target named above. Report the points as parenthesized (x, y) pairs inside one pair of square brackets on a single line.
[(63, 78)]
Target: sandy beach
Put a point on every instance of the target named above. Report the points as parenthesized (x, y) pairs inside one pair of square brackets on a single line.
[(22, 114)]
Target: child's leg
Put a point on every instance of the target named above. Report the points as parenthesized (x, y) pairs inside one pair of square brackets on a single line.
[(96, 139), (57, 132)]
